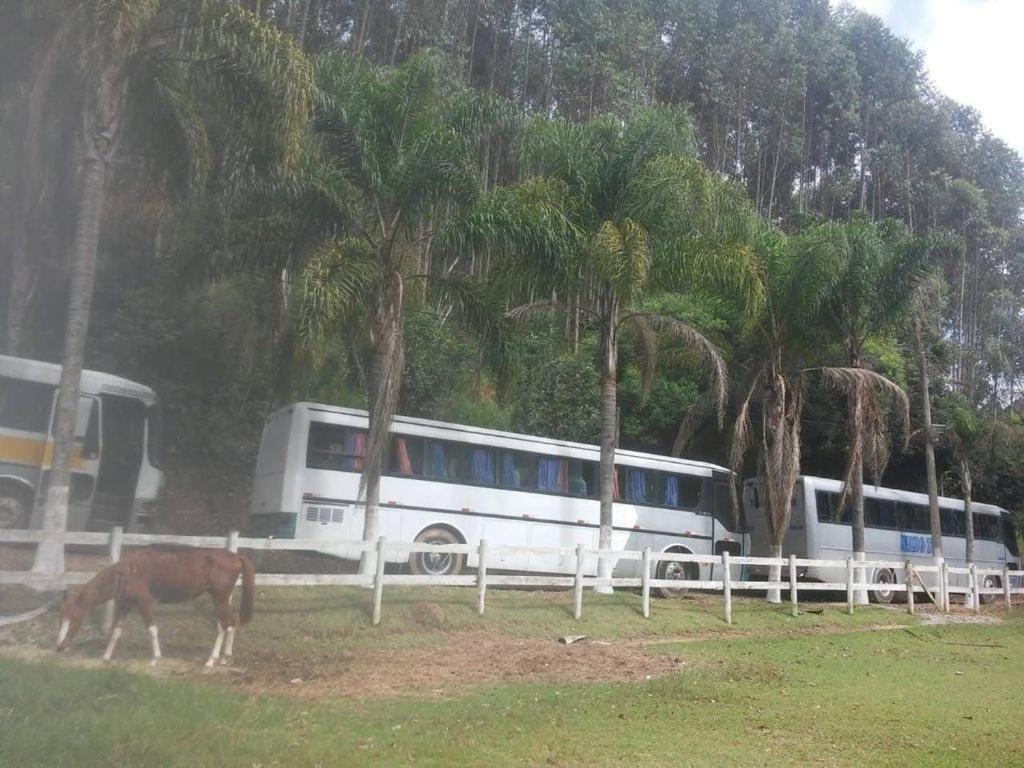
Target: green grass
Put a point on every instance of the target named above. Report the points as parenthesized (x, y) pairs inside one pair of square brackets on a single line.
[(768, 692), (314, 620)]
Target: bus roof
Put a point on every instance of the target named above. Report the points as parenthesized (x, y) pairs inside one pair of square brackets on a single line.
[(93, 382), (509, 440), (894, 494)]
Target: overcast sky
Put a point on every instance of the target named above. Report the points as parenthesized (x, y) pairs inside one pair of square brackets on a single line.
[(974, 53)]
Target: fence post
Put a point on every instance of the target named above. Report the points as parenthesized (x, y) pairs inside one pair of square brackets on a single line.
[(727, 587), (1006, 586), (849, 585), (233, 541), (577, 586), (645, 582), (115, 555), (908, 577), (378, 582), (975, 594), (944, 578), (792, 586), (481, 576)]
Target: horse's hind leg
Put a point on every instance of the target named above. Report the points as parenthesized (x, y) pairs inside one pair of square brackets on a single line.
[(146, 610), (225, 629), (115, 630)]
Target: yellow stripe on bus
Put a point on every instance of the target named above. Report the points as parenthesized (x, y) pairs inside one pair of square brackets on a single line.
[(32, 452)]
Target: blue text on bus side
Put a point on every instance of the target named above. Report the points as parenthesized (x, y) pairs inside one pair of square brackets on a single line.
[(919, 545)]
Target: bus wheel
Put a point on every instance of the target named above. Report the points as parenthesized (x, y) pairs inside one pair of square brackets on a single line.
[(670, 570), (883, 595), (436, 563), (13, 511), (990, 582)]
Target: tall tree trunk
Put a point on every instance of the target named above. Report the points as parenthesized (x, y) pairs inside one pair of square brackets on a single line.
[(856, 476), (609, 429), (935, 522), (384, 380), (966, 486), (101, 121)]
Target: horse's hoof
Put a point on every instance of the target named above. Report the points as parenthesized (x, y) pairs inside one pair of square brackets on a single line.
[(154, 662), (209, 664), (225, 661)]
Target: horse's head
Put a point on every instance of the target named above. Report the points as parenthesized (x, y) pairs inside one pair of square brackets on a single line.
[(73, 608)]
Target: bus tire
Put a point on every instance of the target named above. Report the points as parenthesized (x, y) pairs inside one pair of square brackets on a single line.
[(671, 569), (441, 563), (14, 509), (884, 596), (990, 582)]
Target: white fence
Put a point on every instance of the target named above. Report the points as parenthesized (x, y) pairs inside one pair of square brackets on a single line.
[(911, 584)]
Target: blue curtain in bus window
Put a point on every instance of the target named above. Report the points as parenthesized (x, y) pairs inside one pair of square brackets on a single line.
[(437, 462), (637, 486), (671, 491), (509, 471), (483, 466), (550, 474)]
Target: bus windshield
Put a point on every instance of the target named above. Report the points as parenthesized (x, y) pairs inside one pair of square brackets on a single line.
[(1009, 535)]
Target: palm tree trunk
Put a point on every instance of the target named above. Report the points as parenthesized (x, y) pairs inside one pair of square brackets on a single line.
[(856, 491), (966, 485), (608, 416), (100, 136), (935, 521)]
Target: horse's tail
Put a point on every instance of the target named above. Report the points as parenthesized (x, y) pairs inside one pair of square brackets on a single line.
[(248, 589)]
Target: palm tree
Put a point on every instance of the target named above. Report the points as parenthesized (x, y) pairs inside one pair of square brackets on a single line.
[(880, 268), (396, 151), (160, 68), (611, 210), (791, 277)]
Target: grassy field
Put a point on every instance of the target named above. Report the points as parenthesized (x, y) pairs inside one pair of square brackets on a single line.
[(823, 689)]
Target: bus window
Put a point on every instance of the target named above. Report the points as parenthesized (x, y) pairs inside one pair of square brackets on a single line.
[(332, 446), (482, 466), (407, 457), (952, 522), (912, 517), (582, 479), (446, 461), (986, 527), (641, 486), (518, 470), (879, 513), (154, 435), (552, 475), (25, 405), (1009, 536), (681, 491), (828, 508)]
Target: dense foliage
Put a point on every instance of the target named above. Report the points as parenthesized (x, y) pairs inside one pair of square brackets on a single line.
[(815, 129)]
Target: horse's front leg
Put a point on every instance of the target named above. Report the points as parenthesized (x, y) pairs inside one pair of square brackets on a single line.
[(146, 610)]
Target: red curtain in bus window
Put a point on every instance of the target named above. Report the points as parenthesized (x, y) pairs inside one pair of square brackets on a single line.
[(402, 454), (563, 476), (616, 494)]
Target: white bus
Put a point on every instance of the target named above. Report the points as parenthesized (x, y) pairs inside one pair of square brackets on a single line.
[(115, 477), (896, 528), (448, 483)]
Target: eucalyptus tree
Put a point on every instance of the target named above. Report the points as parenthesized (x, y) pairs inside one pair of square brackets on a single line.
[(964, 433), (395, 157), (879, 269), (612, 210), (156, 68)]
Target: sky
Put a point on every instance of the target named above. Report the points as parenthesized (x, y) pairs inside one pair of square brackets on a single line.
[(973, 52)]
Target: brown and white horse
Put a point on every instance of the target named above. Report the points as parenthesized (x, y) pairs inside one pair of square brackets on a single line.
[(171, 575)]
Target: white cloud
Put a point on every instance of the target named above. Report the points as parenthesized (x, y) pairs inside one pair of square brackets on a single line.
[(973, 52)]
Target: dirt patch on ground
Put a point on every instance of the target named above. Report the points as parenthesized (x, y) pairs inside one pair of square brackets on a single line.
[(464, 661)]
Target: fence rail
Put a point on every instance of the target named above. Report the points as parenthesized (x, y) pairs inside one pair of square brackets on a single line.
[(383, 550)]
